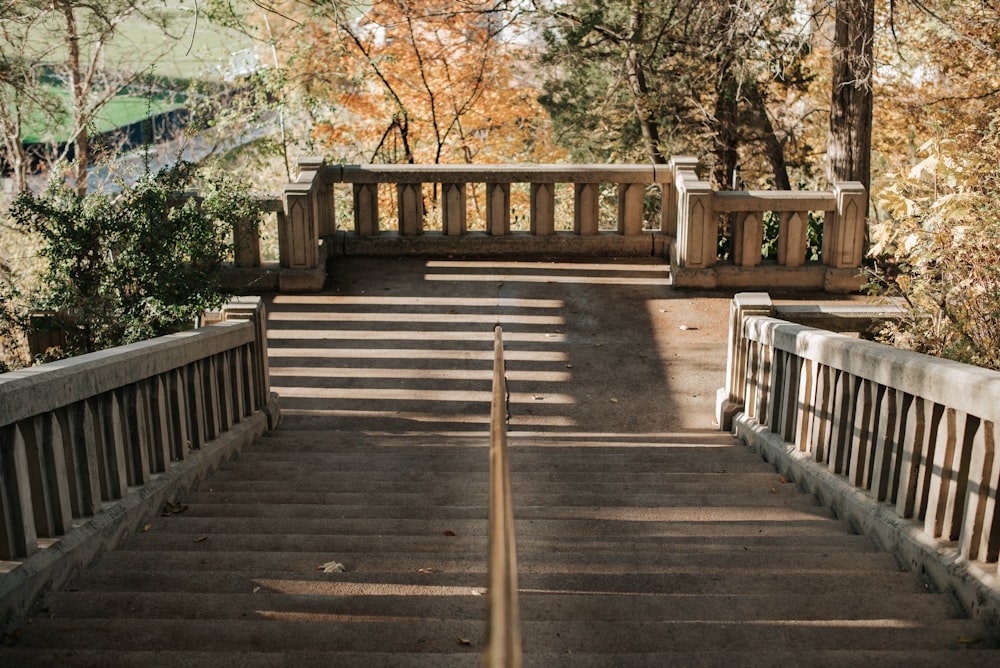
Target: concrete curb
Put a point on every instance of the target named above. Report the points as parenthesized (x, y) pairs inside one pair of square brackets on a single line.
[(977, 590), (52, 567)]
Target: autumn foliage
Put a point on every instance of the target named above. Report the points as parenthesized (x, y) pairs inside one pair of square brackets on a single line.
[(420, 82)]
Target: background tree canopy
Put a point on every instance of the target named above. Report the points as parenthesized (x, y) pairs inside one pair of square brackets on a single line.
[(784, 94)]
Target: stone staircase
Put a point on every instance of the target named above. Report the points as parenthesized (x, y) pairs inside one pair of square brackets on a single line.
[(645, 538)]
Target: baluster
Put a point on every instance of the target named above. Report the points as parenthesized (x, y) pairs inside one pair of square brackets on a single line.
[(82, 456), (864, 425), (366, 209), (498, 209), (210, 380), (179, 416), (911, 456), (789, 411), (926, 473), (246, 243), (543, 209), (410, 198), (776, 389), (50, 498), (240, 387), (807, 383), (137, 452), (885, 443), (224, 364), (113, 468), (943, 471), (842, 423), (18, 535), (980, 538), (748, 238), (197, 410), (792, 239), (586, 208), (630, 208), (159, 427), (454, 209), (822, 400)]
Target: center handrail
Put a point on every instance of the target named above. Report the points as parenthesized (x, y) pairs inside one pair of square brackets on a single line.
[(503, 647)]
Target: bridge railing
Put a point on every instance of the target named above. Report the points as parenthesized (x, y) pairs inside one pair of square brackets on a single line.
[(687, 227), (503, 647), (913, 435), (82, 433)]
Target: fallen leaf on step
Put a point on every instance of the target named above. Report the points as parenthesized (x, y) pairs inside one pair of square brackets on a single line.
[(171, 508), (449, 533), (256, 589), (774, 490), (147, 527), (969, 640), (201, 539), (331, 567), (613, 400), (427, 570), (463, 641)]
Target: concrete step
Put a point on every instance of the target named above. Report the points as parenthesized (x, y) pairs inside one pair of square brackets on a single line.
[(477, 482), (534, 606), (592, 534), (307, 579), (394, 555), (961, 657), (269, 630), (443, 494)]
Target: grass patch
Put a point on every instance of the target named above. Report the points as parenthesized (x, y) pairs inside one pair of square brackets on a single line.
[(120, 111), (194, 47)]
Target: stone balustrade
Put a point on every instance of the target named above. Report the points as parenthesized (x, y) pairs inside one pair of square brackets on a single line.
[(902, 445), (687, 231), (82, 440)]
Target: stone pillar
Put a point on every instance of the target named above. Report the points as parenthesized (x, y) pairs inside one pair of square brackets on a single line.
[(630, 196), (313, 170), (366, 209), (498, 209), (668, 212), (251, 308), (543, 209), (697, 224), (844, 232), (298, 232), (454, 211), (730, 398), (586, 208), (410, 198)]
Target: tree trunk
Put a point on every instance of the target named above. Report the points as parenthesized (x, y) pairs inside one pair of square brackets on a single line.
[(77, 92), (774, 150), (849, 146), (727, 138), (640, 90)]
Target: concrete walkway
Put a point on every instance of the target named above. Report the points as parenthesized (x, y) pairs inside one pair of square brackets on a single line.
[(646, 537)]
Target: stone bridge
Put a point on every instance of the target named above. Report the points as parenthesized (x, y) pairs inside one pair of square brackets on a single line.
[(833, 503)]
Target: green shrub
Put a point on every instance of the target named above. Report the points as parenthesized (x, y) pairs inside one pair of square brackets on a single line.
[(938, 249), (126, 266)]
